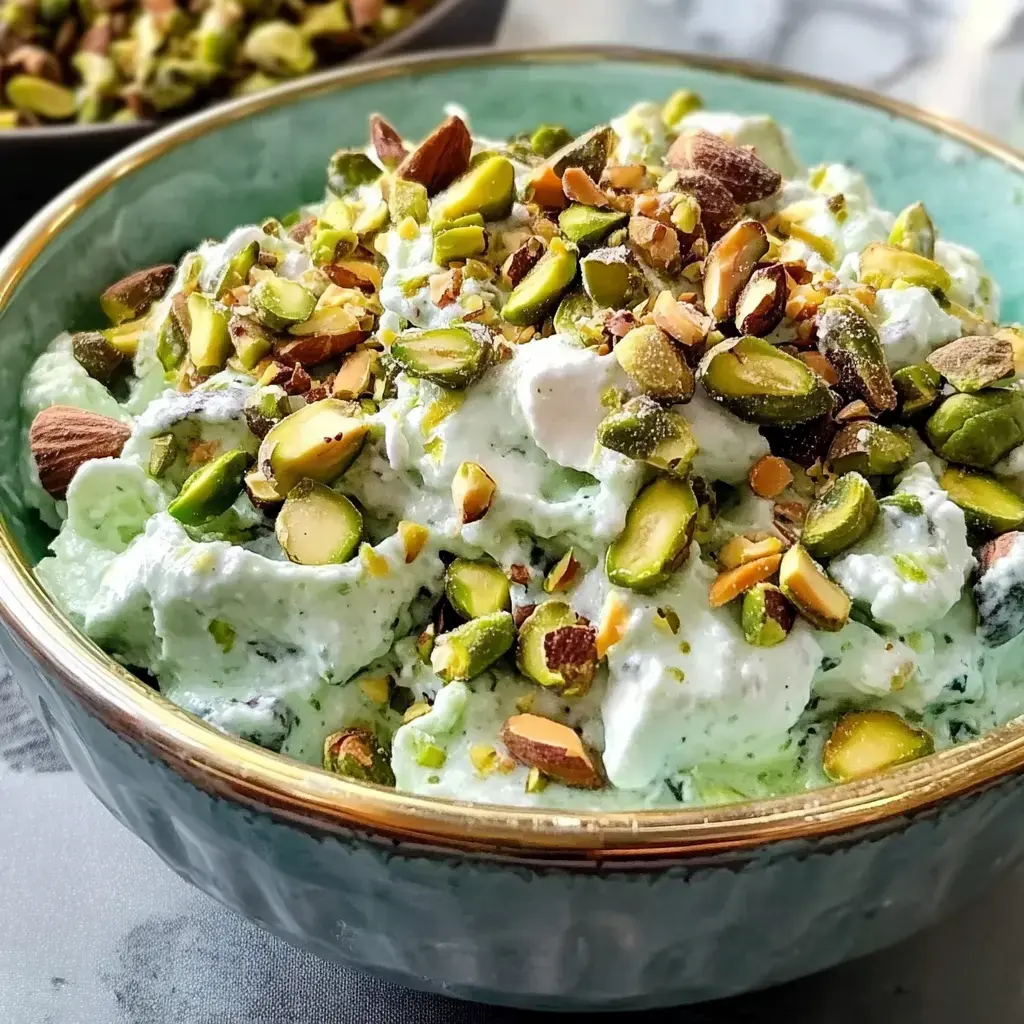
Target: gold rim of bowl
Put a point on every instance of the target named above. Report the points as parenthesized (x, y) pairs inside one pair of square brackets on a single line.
[(308, 797)]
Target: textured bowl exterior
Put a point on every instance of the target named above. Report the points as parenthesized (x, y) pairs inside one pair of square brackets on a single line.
[(577, 932)]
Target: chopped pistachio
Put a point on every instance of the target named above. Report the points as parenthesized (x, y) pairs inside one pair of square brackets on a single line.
[(572, 311), (451, 357), (563, 574), (973, 363), (279, 302), (643, 430), (472, 491), (163, 450), (866, 447), (882, 265), (589, 151), (587, 225), (33, 95), (767, 615), (357, 754), (656, 364), (96, 355), (548, 139), (211, 489), (250, 339), (762, 384), (547, 617), (656, 538), (318, 526), (729, 266), (848, 339), (914, 231), (977, 430), (542, 287), (473, 647), (917, 390), (475, 589), (989, 506), (487, 189), (610, 278), (133, 295), (840, 517), (262, 493), (209, 339), (408, 199), (678, 105), (816, 597), (866, 742), (236, 269), (459, 244)]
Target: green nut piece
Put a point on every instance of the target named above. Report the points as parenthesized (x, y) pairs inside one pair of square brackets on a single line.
[(473, 647), (475, 589), (250, 339), (848, 339), (327, 244), (33, 95), (548, 139), (133, 295), (407, 199), (471, 220), (320, 441), (864, 743), (914, 231), (262, 493), (977, 430), (357, 754), (318, 526), (209, 339), (973, 363), (459, 244), (821, 602), (589, 151), (760, 383), (656, 364), (588, 225), (279, 48), (349, 169), (989, 506), (264, 409), (171, 344), (917, 390), (866, 447), (840, 517), (97, 356), (487, 188), (163, 450), (767, 615), (611, 279), (643, 430), (656, 538), (280, 303), (908, 504), (211, 489), (681, 103), (451, 357), (572, 310), (236, 270), (537, 293), (547, 627), (882, 265)]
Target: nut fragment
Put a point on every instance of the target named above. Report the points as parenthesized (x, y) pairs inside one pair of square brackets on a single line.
[(473, 647), (767, 615), (762, 303), (656, 244), (840, 517), (387, 143), (817, 598), (522, 261), (988, 505), (848, 339), (357, 754), (732, 583), (681, 320), (553, 749), (571, 652), (996, 549), (769, 476), (656, 364), (741, 171), (866, 742), (718, 209), (971, 363), (472, 491), (579, 187), (440, 158), (62, 438), (730, 265), (739, 549), (132, 295)]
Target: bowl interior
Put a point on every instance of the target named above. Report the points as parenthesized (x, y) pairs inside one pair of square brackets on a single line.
[(265, 156)]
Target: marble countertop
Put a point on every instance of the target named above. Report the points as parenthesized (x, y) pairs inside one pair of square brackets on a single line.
[(94, 929)]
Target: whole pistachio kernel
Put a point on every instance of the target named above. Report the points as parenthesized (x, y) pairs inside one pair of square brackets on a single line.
[(33, 95), (848, 339), (473, 647), (538, 292), (988, 505), (914, 231), (211, 489), (318, 526), (357, 754), (977, 430), (279, 302)]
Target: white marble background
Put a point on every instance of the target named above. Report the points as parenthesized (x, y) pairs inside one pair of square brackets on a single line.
[(95, 930)]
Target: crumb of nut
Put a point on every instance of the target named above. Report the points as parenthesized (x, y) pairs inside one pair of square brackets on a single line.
[(770, 476), (579, 187), (520, 574)]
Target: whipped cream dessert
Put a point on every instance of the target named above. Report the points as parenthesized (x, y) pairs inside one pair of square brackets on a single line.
[(634, 468)]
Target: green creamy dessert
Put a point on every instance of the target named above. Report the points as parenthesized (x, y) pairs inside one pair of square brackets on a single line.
[(635, 468)]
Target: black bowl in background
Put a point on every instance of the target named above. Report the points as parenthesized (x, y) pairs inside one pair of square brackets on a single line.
[(36, 163)]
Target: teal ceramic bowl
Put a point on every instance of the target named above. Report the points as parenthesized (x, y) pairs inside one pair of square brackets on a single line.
[(543, 910)]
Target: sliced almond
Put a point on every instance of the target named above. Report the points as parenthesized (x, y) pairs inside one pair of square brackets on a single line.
[(741, 171), (62, 438), (359, 274), (762, 303), (440, 158), (522, 261), (729, 267), (820, 365), (732, 583), (681, 320), (314, 349), (657, 244), (579, 187), (739, 550), (553, 749), (545, 189), (769, 476), (387, 143)]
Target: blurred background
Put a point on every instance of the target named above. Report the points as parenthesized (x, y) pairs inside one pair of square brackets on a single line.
[(76, 947)]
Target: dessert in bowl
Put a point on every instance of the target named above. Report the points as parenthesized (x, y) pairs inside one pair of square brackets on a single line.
[(596, 475)]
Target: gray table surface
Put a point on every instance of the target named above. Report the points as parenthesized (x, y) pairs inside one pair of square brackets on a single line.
[(94, 929)]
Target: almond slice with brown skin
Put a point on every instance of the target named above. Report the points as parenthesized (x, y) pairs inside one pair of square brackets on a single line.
[(732, 583), (747, 177), (387, 143), (996, 549), (580, 188), (553, 749), (440, 158), (762, 303), (63, 438), (729, 267)]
